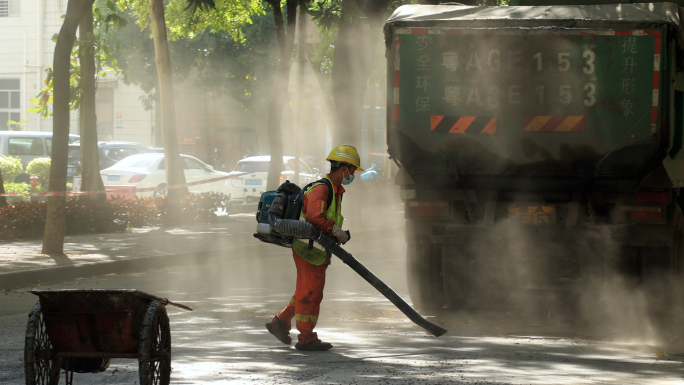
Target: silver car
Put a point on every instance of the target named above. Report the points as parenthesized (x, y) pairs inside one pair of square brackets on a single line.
[(27, 146)]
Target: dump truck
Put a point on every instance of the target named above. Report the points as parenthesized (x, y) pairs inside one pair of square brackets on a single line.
[(536, 145)]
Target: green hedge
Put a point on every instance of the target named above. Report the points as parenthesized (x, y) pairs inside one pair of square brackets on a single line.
[(40, 167), (10, 167), (23, 188), (16, 188), (27, 219)]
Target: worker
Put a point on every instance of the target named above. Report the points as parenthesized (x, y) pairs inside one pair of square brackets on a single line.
[(311, 259)]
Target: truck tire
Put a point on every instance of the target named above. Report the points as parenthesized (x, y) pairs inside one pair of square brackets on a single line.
[(424, 274), (600, 267), (474, 284), (663, 269), (677, 250), (674, 277), (455, 278), (656, 269)]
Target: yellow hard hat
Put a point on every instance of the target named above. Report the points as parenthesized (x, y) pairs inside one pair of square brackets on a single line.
[(347, 154)]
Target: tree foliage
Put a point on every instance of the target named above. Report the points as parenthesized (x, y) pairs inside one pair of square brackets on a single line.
[(105, 15), (186, 18), (219, 64), (241, 69)]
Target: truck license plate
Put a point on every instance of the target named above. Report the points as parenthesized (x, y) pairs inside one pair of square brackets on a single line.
[(253, 182), (534, 214)]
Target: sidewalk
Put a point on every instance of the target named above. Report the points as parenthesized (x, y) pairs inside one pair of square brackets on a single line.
[(22, 264)]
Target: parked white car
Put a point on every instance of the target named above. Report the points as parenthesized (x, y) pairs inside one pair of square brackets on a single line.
[(147, 170), (248, 179)]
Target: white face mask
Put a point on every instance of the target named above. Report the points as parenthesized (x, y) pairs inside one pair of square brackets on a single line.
[(346, 181)]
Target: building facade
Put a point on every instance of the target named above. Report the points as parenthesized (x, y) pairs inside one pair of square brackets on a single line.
[(26, 51)]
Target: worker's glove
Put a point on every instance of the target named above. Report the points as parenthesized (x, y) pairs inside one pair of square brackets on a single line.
[(341, 235)]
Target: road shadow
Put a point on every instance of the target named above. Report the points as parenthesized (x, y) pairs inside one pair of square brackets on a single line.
[(61, 259)]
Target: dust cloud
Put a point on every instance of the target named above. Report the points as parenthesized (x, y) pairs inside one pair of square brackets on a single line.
[(566, 283)]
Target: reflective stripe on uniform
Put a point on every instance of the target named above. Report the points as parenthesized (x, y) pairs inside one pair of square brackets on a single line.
[(306, 318), (292, 301), (318, 255)]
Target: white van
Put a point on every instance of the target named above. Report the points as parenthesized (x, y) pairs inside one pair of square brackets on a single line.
[(27, 145)]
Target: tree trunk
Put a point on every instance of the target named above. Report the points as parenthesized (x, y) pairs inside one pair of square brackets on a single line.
[(55, 223), (3, 200), (355, 46), (172, 159), (285, 36), (90, 160)]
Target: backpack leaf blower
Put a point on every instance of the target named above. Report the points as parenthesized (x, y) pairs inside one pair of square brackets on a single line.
[(273, 228)]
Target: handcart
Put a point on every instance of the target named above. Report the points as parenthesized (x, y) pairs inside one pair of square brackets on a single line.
[(82, 330)]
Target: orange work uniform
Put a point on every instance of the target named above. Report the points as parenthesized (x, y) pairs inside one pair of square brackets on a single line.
[(305, 304)]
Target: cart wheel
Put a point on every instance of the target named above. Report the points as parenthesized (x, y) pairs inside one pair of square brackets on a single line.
[(41, 367), (155, 346)]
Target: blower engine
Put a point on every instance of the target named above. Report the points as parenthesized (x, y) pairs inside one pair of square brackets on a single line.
[(283, 203)]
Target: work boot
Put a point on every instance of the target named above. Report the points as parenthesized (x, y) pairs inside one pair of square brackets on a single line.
[(315, 345), (279, 330)]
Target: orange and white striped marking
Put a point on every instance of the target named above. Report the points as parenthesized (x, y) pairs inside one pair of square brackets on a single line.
[(553, 123), (463, 125)]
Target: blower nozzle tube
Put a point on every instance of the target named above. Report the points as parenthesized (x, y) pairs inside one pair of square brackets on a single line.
[(301, 229)]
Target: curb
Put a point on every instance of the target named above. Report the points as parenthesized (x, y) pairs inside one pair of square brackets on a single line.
[(26, 278), (30, 278)]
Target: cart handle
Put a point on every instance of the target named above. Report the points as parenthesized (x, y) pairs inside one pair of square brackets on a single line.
[(164, 301)]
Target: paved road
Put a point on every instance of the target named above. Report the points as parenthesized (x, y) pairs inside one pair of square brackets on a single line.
[(224, 340)]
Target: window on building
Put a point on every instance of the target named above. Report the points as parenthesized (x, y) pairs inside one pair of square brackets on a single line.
[(10, 103), (10, 8), (104, 108)]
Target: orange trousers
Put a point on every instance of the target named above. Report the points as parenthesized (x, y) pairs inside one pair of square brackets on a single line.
[(306, 302)]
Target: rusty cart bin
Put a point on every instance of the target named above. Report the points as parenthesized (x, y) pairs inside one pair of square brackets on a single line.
[(82, 330)]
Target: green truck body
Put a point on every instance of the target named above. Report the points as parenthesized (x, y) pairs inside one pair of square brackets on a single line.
[(552, 120)]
